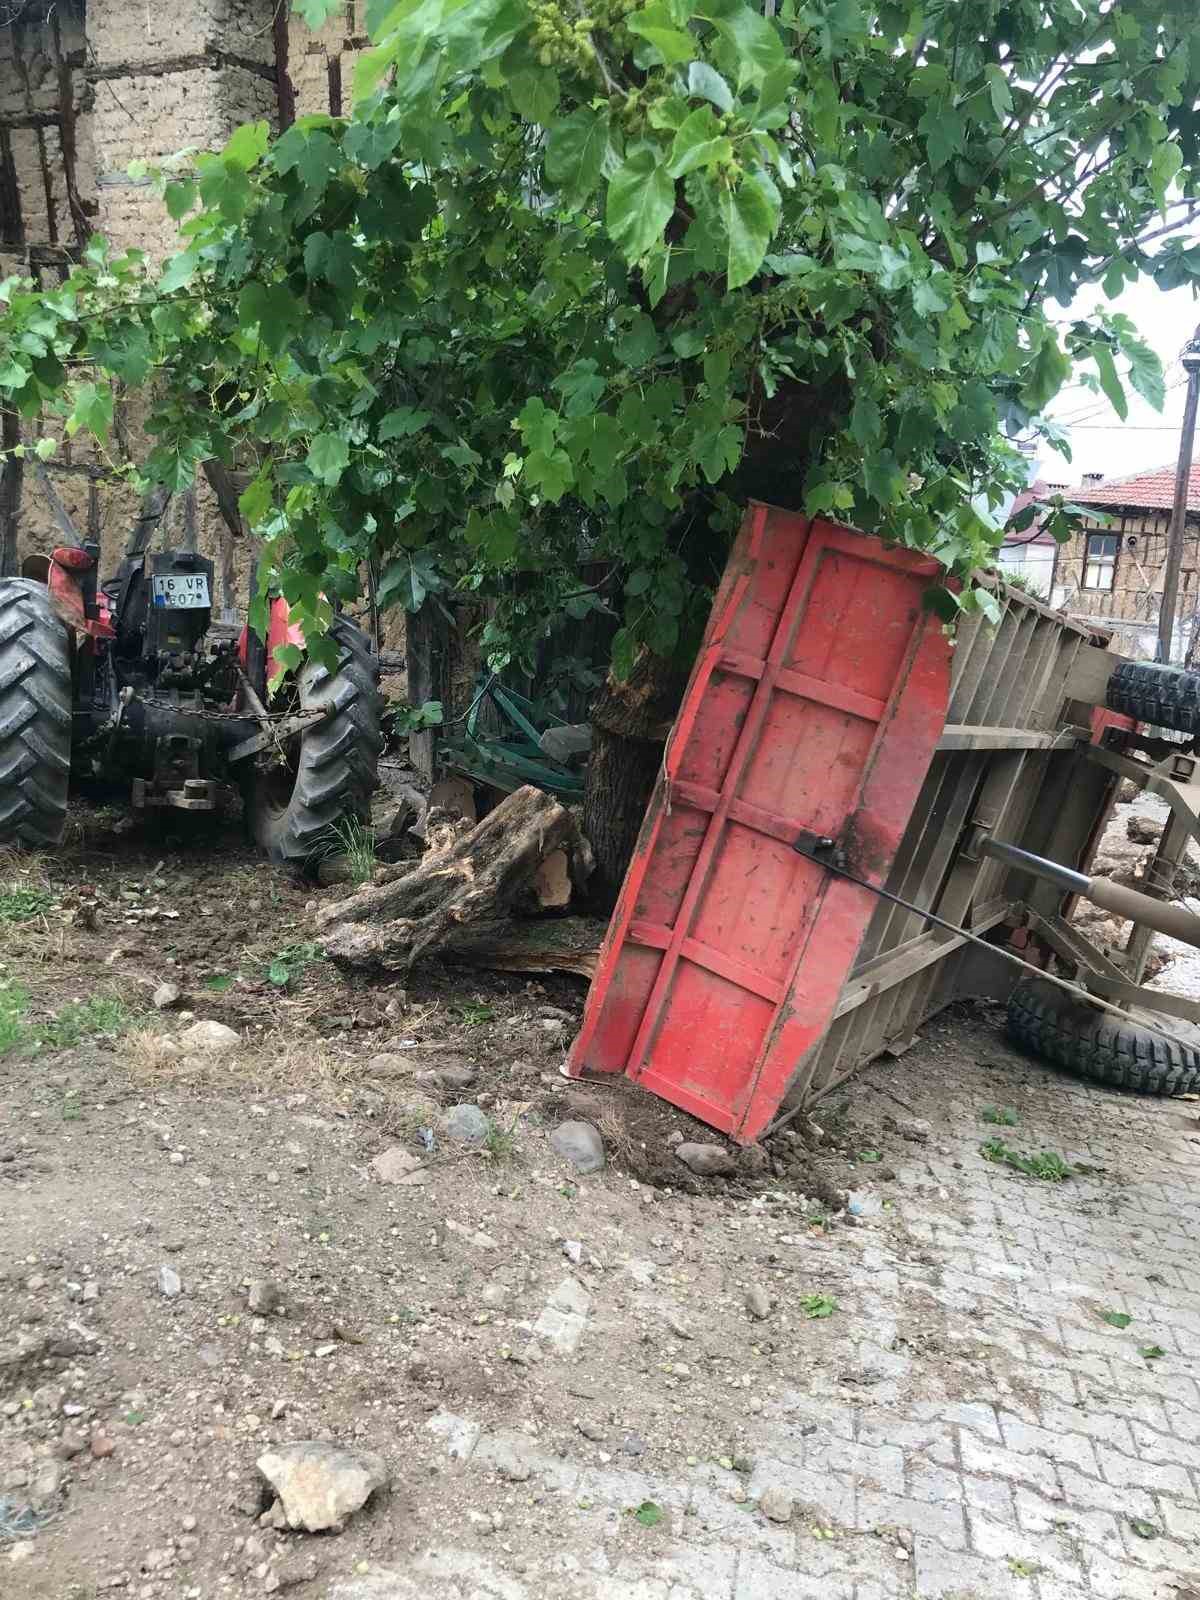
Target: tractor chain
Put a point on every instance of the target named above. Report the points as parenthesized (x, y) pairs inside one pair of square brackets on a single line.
[(207, 715)]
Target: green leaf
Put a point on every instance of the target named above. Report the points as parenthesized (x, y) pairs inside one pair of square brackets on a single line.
[(328, 457), (279, 973), (256, 499), (271, 308), (1144, 1530), (1110, 382), (46, 449), (817, 1306), (756, 43), (649, 1514), (220, 981), (639, 343), (581, 387), (945, 133), (551, 471), (699, 142), (708, 83), (655, 24), (318, 12), (1145, 371), (866, 425), (641, 201), (882, 477), (1046, 374), (180, 197), (401, 423), (179, 271), (535, 93), (1151, 1352), (247, 145), (751, 215), (93, 410), (575, 156), (871, 1157), (1116, 1319)]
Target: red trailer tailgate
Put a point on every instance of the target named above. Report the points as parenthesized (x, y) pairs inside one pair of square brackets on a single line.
[(815, 706)]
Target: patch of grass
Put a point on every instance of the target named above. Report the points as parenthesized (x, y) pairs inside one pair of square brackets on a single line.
[(84, 1019), (14, 1003), (71, 1110), (219, 982), (22, 902), (1045, 1164), (500, 1144), (356, 841), (475, 1014), (1001, 1116), (291, 962), (817, 1306)]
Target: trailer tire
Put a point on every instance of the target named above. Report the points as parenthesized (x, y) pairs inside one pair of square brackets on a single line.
[(1053, 1024), (294, 812), (1165, 697), (35, 716)]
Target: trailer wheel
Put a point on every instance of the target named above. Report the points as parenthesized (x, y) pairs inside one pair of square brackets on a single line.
[(1095, 1044), (330, 771), (1167, 697), (35, 716)]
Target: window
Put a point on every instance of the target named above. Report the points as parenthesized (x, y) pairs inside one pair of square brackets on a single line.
[(1100, 563)]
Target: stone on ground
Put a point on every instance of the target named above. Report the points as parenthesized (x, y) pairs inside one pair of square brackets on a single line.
[(466, 1124), (707, 1160), (209, 1039), (320, 1485), (580, 1144)]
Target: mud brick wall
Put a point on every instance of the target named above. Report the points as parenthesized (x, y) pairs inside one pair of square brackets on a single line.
[(86, 87)]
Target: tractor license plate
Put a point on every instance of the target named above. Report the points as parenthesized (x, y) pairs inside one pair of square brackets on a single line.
[(182, 589)]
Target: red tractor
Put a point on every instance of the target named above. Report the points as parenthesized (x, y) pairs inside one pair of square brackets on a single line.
[(130, 681)]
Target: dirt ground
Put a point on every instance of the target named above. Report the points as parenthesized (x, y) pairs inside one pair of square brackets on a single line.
[(135, 1402)]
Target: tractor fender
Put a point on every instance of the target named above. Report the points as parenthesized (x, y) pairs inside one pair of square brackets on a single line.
[(61, 571), (280, 630)]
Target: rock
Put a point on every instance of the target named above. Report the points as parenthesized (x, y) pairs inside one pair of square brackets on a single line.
[(573, 1250), (457, 1079), (397, 1165), (633, 1445), (91, 1293), (170, 1284), (580, 1144), (754, 1161), (591, 1430), (291, 1568), (102, 1446), (391, 1065), (209, 1039), (776, 1504), (165, 996), (47, 1483), (1143, 830), (320, 1485), (1127, 790), (71, 1444), (263, 1296), (758, 1302), (707, 1160), (564, 1317), (466, 1124), (918, 1129)]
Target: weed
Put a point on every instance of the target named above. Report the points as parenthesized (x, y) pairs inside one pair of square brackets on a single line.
[(870, 1157), (817, 1306), (1020, 1568), (356, 841), (649, 1514), (84, 1019), (220, 981), (291, 962), (1144, 1530), (1001, 1116), (21, 902), (1151, 1352), (1116, 1319), (14, 1002), (500, 1144), (71, 1110), (474, 1014), (1045, 1164)]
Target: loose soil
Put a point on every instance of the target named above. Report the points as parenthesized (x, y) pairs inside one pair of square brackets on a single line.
[(398, 1303)]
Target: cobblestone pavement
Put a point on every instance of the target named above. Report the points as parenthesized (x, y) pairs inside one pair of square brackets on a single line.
[(987, 1434)]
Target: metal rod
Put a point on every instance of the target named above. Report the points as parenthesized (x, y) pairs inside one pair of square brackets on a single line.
[(1183, 473), (1065, 877)]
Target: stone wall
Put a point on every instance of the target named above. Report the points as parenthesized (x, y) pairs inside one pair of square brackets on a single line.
[(86, 87)]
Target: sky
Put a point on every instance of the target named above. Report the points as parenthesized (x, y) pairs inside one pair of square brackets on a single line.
[(1100, 441)]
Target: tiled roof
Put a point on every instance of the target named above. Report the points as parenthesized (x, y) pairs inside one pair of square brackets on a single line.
[(1145, 491)]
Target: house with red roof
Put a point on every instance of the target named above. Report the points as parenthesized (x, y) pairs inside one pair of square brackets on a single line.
[(1111, 571)]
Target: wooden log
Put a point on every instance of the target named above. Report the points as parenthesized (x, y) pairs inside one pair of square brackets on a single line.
[(551, 944), (465, 887)]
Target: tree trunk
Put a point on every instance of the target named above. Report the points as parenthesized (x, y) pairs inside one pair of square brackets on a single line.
[(427, 650), (464, 888), (630, 722)]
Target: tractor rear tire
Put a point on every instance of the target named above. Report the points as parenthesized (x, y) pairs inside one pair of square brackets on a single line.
[(294, 813), (1053, 1024), (1165, 697), (35, 716)]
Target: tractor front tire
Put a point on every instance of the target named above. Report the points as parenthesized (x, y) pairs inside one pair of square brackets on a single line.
[(35, 716), (294, 811)]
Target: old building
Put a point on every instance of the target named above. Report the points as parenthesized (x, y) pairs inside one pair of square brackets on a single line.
[(86, 88), (1111, 572)]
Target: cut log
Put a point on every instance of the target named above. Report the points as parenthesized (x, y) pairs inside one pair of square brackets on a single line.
[(561, 944), (465, 887)]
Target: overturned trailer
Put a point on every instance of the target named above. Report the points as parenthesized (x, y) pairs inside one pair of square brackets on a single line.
[(857, 814)]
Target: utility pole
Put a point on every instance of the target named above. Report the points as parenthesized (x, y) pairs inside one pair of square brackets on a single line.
[(1183, 472)]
